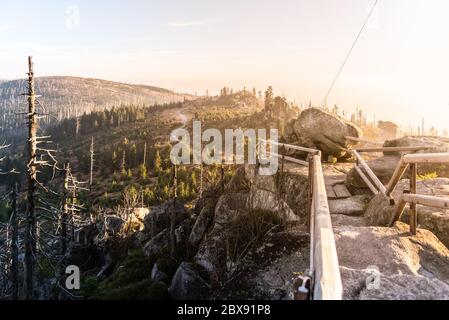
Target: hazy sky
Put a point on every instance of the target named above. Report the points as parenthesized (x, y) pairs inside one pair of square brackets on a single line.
[(399, 69)]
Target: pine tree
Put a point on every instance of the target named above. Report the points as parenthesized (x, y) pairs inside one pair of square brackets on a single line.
[(157, 163)]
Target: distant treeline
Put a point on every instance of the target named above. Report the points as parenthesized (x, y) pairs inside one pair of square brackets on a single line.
[(106, 119)]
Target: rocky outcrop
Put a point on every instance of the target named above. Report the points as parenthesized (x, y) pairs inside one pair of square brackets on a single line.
[(113, 224), (157, 275), (380, 211), (352, 206), (317, 128), (157, 244), (158, 218), (285, 196), (391, 263), (392, 287), (202, 222), (187, 284), (392, 250)]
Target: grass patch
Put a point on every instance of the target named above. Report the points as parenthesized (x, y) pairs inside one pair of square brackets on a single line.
[(428, 175), (248, 230)]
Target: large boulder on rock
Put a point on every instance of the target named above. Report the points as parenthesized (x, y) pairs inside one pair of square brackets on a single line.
[(159, 217), (187, 284), (317, 128), (430, 144)]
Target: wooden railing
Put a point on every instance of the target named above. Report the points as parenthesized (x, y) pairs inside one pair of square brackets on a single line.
[(324, 270), (409, 161), (412, 161)]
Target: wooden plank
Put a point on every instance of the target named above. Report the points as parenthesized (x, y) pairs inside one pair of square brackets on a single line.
[(290, 159), (330, 192), (426, 158), (379, 185), (397, 175), (391, 149), (328, 285), (413, 214), (366, 180), (341, 191), (290, 146), (429, 201)]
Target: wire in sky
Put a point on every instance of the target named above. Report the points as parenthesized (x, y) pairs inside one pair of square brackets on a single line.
[(350, 51)]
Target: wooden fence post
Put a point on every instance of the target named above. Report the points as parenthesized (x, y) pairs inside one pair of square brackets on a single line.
[(413, 212)]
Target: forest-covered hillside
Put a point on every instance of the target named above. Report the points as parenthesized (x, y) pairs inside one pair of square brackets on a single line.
[(70, 97)]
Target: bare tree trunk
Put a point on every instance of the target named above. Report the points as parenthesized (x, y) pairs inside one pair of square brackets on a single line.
[(201, 179), (173, 213), (145, 154), (14, 246), (91, 161), (30, 231), (65, 210)]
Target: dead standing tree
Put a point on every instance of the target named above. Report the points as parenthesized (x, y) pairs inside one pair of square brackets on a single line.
[(30, 233), (91, 162), (14, 245)]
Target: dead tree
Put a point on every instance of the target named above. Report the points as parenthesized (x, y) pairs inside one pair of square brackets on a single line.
[(145, 155), (173, 213), (65, 210), (30, 229), (14, 248), (91, 161)]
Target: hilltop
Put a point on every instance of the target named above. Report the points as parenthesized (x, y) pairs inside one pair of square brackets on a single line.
[(64, 97)]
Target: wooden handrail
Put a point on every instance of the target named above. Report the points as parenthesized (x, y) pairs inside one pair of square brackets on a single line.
[(327, 278), (291, 159), (426, 158), (293, 147), (414, 199), (379, 185), (397, 175), (428, 201), (391, 149), (366, 180)]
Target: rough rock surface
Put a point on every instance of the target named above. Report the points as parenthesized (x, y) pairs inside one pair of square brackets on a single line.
[(113, 224), (158, 218), (383, 167), (268, 271), (157, 244), (391, 287), (202, 222), (317, 128), (379, 211), (248, 192), (353, 206), (393, 251), (187, 284)]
